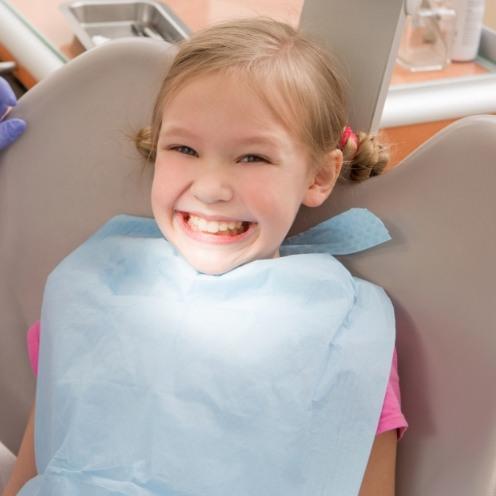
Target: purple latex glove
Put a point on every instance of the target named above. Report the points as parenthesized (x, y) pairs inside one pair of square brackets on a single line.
[(10, 129)]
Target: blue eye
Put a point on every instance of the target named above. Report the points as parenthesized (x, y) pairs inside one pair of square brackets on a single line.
[(186, 150), (249, 159)]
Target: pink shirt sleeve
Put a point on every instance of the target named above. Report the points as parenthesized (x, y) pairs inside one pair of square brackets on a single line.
[(391, 416), (33, 339)]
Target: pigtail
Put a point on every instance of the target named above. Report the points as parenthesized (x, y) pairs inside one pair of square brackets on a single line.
[(364, 157), (144, 143)]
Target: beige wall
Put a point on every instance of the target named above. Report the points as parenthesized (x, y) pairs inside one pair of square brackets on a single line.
[(490, 17)]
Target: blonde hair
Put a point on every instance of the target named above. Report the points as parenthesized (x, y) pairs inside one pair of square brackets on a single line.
[(294, 76)]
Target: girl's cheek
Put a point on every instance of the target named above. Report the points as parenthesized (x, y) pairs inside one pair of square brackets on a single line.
[(268, 191), (259, 186), (258, 196), (165, 172), (160, 186)]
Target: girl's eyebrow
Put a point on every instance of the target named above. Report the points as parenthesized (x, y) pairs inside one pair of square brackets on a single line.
[(266, 139), (173, 129)]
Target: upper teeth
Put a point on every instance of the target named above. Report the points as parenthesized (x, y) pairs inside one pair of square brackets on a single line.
[(213, 226)]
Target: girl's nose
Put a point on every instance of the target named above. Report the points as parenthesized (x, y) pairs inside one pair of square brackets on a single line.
[(211, 188)]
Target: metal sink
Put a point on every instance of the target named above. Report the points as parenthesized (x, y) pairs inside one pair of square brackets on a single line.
[(97, 21)]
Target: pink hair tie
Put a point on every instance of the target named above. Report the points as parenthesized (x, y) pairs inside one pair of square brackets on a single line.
[(347, 135)]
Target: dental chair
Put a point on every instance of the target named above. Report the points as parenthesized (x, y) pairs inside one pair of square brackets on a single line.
[(76, 167)]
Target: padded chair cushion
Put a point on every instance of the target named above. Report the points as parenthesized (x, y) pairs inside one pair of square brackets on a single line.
[(76, 167)]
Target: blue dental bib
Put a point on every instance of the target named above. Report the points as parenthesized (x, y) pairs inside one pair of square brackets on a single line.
[(157, 380)]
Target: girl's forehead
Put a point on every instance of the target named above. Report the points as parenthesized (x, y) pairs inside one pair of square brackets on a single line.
[(242, 96), (217, 85)]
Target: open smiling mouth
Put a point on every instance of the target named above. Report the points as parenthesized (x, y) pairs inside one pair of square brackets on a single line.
[(219, 228)]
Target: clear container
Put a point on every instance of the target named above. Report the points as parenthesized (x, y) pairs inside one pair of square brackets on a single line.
[(428, 37), (470, 15)]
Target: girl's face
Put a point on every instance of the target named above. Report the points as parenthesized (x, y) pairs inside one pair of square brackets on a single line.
[(229, 178)]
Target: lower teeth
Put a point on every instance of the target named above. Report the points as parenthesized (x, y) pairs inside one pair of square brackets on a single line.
[(229, 232)]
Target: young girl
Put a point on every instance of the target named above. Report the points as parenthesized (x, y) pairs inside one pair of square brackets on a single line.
[(193, 354)]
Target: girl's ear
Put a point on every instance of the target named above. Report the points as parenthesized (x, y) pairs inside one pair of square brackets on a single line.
[(323, 180)]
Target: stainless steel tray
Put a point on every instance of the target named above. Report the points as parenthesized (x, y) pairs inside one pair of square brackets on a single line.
[(97, 21)]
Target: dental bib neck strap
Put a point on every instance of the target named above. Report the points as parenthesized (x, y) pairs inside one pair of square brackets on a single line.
[(155, 379)]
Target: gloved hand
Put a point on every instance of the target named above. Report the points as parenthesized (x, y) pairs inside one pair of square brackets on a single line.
[(10, 129)]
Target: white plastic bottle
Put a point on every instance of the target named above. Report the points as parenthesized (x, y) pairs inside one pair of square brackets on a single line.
[(470, 14)]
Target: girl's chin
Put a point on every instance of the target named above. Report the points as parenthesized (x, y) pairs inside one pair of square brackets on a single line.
[(210, 263), (214, 264)]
